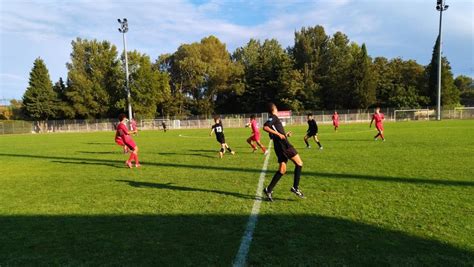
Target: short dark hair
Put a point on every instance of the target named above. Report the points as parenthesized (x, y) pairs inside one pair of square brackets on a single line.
[(216, 118), (270, 107), (310, 114), (252, 116), (122, 116)]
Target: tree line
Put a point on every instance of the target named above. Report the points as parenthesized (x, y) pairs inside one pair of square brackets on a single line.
[(319, 71)]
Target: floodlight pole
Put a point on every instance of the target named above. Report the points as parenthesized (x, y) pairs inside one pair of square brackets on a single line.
[(440, 7), (123, 29)]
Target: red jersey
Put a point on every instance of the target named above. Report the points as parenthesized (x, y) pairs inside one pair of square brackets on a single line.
[(122, 130), (254, 125), (378, 118), (335, 117)]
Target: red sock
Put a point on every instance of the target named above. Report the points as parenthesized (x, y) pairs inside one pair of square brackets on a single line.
[(264, 149), (136, 159), (132, 157)]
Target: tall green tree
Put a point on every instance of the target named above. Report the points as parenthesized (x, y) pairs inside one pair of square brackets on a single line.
[(95, 82), (39, 98), (308, 52), (362, 79), (63, 110), (149, 87), (337, 61), (450, 95)]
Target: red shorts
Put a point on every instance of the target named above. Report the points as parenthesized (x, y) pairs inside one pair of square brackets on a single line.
[(119, 141), (335, 123), (128, 141), (255, 137), (379, 127)]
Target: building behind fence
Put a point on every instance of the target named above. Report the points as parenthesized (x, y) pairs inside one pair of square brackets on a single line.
[(229, 120)]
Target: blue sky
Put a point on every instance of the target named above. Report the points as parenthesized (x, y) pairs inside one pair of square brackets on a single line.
[(402, 28)]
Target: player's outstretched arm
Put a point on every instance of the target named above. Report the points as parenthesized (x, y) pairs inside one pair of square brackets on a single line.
[(370, 126), (211, 132)]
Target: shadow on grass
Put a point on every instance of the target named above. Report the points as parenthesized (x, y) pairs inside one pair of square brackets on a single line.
[(187, 154), (170, 186), (318, 175), (101, 152), (203, 240)]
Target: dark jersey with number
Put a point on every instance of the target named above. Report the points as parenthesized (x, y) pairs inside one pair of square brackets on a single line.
[(219, 131), (312, 127)]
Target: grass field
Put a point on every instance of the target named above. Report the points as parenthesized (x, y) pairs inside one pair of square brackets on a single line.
[(66, 199)]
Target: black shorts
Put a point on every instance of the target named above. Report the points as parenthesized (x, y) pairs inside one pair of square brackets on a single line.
[(310, 134), (284, 151), (220, 139)]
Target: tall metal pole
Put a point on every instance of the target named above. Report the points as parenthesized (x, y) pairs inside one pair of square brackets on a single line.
[(129, 97), (440, 7), (123, 29), (438, 103)]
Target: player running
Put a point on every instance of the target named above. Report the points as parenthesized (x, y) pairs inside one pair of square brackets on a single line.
[(218, 129), (123, 135), (312, 132), (378, 118), (255, 137), (284, 151), (335, 120)]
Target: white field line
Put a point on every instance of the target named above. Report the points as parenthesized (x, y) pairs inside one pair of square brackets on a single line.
[(241, 257)]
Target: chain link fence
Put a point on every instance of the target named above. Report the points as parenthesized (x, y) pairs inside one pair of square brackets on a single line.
[(229, 120)]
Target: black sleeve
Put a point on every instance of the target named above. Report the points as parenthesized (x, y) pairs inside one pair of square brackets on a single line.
[(268, 123)]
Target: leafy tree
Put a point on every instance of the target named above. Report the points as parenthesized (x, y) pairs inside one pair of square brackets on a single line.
[(149, 87), (465, 85), (202, 73), (269, 76), (95, 85), (336, 65), (308, 52), (39, 99)]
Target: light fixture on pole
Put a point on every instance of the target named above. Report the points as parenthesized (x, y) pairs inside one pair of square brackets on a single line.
[(123, 29), (440, 6)]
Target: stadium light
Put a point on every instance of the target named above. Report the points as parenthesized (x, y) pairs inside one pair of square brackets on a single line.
[(124, 29), (440, 6)]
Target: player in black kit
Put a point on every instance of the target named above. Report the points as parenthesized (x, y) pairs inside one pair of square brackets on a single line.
[(218, 129), (284, 151), (312, 132)]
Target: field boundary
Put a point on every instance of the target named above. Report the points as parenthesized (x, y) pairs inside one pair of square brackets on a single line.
[(241, 257)]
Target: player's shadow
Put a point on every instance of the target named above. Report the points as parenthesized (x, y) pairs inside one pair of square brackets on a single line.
[(100, 152), (170, 186), (316, 175), (187, 154), (170, 239), (89, 163)]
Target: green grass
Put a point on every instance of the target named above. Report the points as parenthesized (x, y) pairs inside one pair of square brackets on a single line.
[(66, 199)]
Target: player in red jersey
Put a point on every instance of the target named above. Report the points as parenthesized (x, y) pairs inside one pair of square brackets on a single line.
[(335, 120), (255, 137), (378, 118), (122, 134)]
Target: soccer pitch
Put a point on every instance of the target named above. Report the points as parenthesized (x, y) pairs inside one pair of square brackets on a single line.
[(67, 199)]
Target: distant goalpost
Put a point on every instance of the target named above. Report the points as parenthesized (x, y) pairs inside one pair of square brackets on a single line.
[(464, 112), (413, 114)]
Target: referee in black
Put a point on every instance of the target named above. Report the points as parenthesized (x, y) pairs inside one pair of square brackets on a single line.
[(284, 151)]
